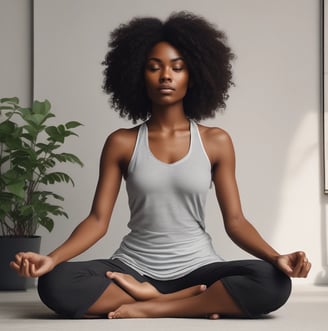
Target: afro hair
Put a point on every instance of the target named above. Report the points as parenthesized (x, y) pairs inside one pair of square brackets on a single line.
[(203, 46)]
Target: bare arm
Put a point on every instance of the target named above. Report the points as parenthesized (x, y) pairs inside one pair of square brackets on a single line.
[(95, 226), (239, 229), (92, 228)]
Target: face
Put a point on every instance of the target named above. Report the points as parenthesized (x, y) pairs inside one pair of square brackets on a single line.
[(166, 75)]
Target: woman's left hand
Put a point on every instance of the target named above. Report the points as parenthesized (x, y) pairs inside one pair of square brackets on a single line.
[(294, 264)]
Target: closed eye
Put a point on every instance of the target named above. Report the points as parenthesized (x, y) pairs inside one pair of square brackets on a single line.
[(153, 68)]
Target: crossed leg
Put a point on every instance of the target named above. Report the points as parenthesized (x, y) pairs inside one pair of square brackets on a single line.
[(129, 290), (128, 298), (186, 303)]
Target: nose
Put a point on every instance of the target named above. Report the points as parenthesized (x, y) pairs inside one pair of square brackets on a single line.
[(165, 75)]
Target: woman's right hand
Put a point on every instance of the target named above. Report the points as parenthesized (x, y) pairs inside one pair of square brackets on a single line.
[(32, 264)]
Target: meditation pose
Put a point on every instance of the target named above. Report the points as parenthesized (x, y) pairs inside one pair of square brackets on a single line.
[(168, 75)]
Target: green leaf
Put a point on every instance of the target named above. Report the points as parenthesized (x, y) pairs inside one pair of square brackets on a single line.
[(47, 222), (46, 148), (25, 113), (14, 100), (52, 131), (37, 118), (45, 194), (54, 134), (29, 137), (7, 128), (72, 124), (49, 163), (56, 177), (68, 157), (61, 129), (7, 107), (6, 202), (33, 119), (27, 211), (57, 196), (3, 160), (13, 143), (17, 188), (41, 107)]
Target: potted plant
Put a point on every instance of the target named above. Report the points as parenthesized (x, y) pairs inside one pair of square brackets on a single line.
[(30, 151)]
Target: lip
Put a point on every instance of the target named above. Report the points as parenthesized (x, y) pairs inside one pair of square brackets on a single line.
[(165, 89)]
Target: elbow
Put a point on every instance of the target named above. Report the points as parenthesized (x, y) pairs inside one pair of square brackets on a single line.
[(100, 223), (234, 225), (102, 232), (103, 228)]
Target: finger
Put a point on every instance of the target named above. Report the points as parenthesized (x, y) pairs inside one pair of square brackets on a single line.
[(21, 268), (36, 271), (303, 264), (14, 266), (300, 274), (26, 268), (298, 264), (18, 257), (286, 269), (305, 270), (308, 268), (31, 256), (32, 270)]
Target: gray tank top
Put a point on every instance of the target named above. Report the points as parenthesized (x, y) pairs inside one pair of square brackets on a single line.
[(167, 204)]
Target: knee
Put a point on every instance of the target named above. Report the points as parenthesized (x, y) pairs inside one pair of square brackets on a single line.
[(53, 292), (48, 291), (276, 289)]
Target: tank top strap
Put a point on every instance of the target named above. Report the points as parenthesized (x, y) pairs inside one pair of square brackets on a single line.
[(139, 147), (198, 148)]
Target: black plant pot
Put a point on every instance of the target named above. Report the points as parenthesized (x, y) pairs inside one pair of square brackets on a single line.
[(9, 247)]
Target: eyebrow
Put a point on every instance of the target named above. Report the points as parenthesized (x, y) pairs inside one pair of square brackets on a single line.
[(159, 60)]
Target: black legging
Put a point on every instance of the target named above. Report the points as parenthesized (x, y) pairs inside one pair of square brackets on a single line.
[(255, 285)]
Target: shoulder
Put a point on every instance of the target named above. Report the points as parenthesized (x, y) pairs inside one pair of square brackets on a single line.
[(217, 142), (214, 135), (122, 136), (120, 143)]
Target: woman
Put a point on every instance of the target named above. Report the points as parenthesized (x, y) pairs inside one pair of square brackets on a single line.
[(170, 75)]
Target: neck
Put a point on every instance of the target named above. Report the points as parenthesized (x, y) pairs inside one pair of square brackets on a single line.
[(168, 117)]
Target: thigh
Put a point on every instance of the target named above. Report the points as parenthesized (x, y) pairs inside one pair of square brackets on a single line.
[(209, 274), (257, 270)]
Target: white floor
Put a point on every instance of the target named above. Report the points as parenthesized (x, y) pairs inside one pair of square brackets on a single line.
[(307, 309)]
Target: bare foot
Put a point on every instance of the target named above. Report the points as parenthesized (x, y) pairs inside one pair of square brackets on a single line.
[(146, 309), (139, 291), (131, 311), (145, 291)]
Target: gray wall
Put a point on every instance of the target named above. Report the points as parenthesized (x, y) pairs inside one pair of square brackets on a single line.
[(16, 49), (273, 113)]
